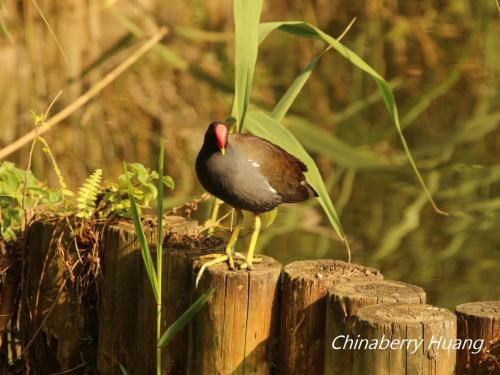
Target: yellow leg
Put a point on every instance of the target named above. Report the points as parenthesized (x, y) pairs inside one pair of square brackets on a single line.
[(253, 242), (228, 254), (233, 239)]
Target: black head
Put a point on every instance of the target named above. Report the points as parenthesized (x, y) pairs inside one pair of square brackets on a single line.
[(216, 136)]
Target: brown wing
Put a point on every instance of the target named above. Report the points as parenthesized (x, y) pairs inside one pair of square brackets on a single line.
[(283, 171)]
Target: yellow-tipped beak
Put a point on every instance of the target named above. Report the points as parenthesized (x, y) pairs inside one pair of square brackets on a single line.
[(222, 151)]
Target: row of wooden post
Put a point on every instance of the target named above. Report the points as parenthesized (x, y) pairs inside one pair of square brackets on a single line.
[(283, 321), (309, 317)]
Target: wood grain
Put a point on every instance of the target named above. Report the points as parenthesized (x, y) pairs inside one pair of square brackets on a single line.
[(393, 322), (236, 332), (303, 305), (476, 321), (344, 301)]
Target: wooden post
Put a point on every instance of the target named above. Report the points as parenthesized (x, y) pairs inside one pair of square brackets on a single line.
[(234, 333), (181, 252), (127, 308), (55, 318), (303, 305), (377, 335), (123, 299), (478, 321), (344, 300)]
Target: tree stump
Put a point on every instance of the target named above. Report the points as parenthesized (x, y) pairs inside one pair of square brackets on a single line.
[(479, 321), (303, 305), (235, 332), (377, 333), (344, 300), (127, 309)]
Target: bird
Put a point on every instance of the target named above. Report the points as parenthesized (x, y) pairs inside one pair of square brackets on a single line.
[(248, 173)]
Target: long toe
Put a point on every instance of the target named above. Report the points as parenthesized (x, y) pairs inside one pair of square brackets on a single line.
[(246, 266), (210, 256), (241, 256), (204, 266)]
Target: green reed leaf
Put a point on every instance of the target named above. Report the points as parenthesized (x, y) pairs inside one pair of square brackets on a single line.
[(304, 29), (246, 20)]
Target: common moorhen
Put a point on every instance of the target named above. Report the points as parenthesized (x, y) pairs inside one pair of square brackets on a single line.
[(249, 173)]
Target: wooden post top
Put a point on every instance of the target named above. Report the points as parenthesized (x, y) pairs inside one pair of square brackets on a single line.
[(485, 309), (405, 313), (384, 291), (259, 268), (334, 271)]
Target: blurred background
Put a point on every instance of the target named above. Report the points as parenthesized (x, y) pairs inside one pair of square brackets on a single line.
[(442, 58)]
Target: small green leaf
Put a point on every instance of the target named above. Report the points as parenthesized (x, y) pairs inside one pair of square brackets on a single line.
[(169, 182)]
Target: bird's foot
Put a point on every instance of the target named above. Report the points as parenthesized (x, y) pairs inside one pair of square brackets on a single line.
[(216, 259), (218, 256), (210, 256), (246, 265)]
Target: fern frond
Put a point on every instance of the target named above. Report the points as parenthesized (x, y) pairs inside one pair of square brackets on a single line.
[(87, 195)]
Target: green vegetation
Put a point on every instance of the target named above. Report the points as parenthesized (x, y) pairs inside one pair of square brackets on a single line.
[(20, 192)]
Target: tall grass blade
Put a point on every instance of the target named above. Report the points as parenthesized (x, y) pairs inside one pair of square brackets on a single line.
[(266, 127), (304, 29), (293, 91), (159, 251), (6, 31), (184, 319), (321, 141), (410, 222), (112, 51), (165, 53), (123, 369), (159, 211), (246, 20), (141, 237), (51, 31)]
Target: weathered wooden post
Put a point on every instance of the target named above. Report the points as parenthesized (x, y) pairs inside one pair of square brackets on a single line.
[(181, 252), (126, 307), (344, 300), (303, 304), (403, 339), (55, 318), (235, 332), (122, 295), (479, 331)]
